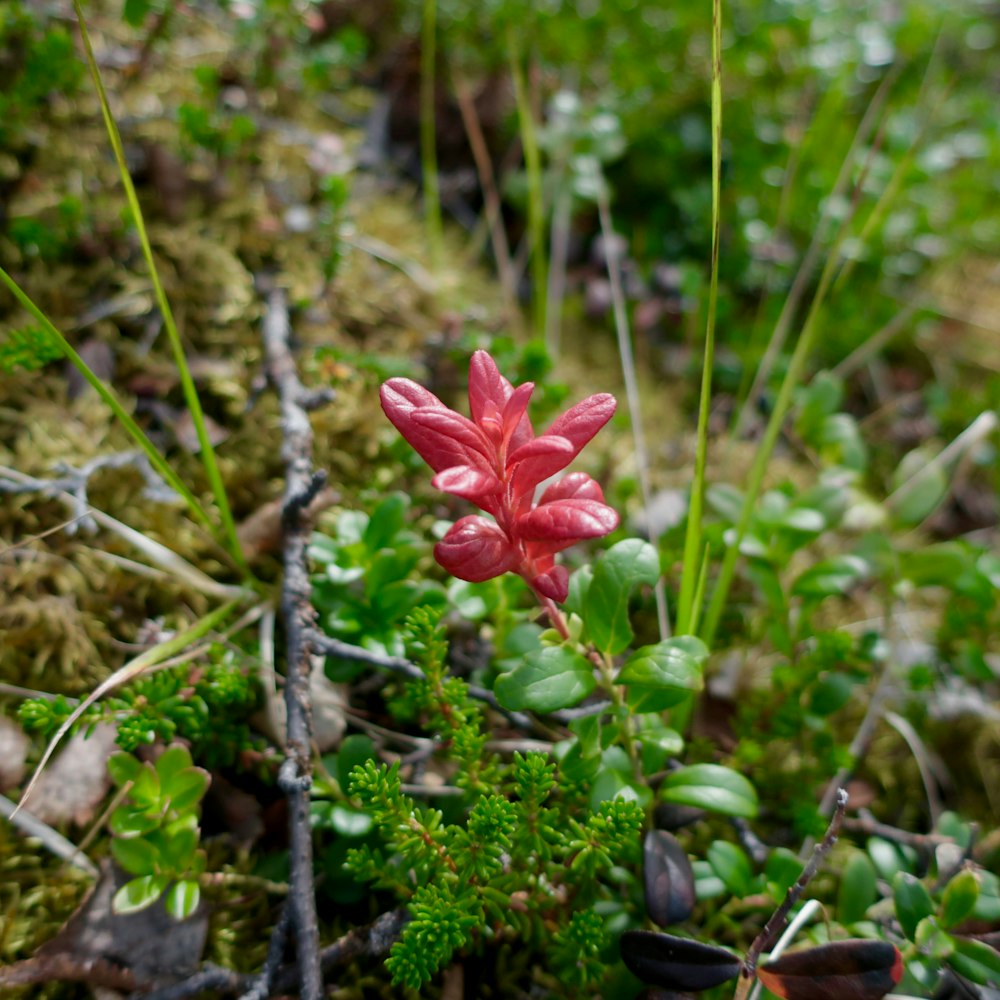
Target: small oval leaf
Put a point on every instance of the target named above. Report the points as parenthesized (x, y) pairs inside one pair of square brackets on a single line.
[(676, 963), (913, 902), (552, 678), (669, 879), (711, 786), (845, 970)]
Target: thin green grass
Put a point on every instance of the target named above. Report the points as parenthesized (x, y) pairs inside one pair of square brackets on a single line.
[(693, 565), (206, 451), (113, 403)]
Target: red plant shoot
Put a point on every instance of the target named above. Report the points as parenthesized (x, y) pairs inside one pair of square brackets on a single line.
[(496, 461)]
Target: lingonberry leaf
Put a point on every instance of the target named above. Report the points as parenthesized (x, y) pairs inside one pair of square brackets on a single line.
[(676, 963), (844, 970), (711, 786), (476, 549), (669, 880), (549, 679), (913, 902), (605, 609)]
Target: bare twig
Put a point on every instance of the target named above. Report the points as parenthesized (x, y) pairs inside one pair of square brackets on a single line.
[(778, 920), (295, 775)]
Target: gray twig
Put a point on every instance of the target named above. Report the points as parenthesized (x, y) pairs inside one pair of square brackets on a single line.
[(301, 485)]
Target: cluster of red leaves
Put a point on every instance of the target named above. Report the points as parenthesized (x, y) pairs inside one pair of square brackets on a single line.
[(496, 461)]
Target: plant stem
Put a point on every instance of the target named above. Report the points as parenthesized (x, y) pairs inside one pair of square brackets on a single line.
[(690, 571), (428, 133)]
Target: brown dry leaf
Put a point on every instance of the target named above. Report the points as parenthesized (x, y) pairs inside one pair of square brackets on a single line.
[(75, 783), (13, 753)]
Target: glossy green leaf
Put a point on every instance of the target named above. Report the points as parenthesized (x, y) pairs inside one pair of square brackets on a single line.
[(136, 856), (354, 750), (976, 960), (145, 790), (605, 608), (913, 902), (660, 676), (830, 577), (732, 865), (959, 899), (710, 786), (547, 680), (932, 939), (139, 893), (858, 888), (182, 899)]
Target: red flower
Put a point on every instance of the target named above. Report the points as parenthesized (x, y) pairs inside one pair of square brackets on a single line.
[(496, 461)]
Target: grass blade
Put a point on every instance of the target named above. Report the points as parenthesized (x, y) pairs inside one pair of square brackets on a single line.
[(207, 452), (107, 394), (692, 538)]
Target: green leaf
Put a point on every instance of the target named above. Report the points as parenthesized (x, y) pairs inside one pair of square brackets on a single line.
[(350, 822), (921, 486), (123, 768), (710, 786), (187, 788), (831, 576), (182, 899), (732, 865), (137, 856), (386, 522), (976, 960), (959, 899), (579, 584), (932, 939), (550, 679), (178, 849), (145, 790), (139, 893), (913, 902), (134, 12), (605, 607), (858, 888), (130, 821), (170, 763), (663, 675), (587, 730)]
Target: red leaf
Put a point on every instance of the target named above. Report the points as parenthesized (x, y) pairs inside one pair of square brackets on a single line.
[(516, 425), (567, 520), (581, 422), (401, 401), (573, 486), (456, 431), (553, 449), (475, 550), (465, 481), (485, 384), (553, 583), (845, 970)]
